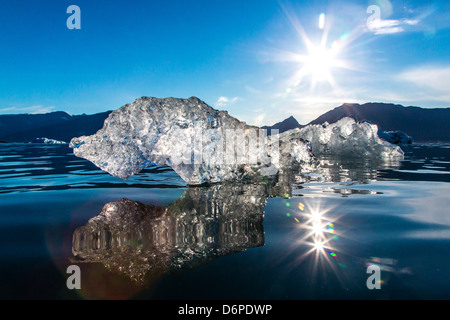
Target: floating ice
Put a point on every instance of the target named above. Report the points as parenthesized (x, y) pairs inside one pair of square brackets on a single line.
[(395, 137), (48, 141), (206, 145), (200, 143)]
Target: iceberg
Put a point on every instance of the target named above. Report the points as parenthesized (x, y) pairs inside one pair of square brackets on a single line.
[(201, 144), (204, 145)]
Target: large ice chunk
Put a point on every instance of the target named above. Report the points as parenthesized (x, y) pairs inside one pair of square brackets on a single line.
[(200, 143), (206, 145)]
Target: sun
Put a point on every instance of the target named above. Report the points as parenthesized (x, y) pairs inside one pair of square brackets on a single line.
[(319, 63)]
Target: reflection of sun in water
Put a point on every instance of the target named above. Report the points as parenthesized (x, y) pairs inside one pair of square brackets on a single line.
[(318, 245), (318, 236)]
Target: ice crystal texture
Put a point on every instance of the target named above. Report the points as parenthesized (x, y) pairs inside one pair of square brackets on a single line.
[(200, 143), (347, 138), (206, 145)]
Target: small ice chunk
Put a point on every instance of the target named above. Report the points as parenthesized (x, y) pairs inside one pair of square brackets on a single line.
[(395, 137), (347, 138), (48, 141)]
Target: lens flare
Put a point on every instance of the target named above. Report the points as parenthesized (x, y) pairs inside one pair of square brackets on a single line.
[(322, 21)]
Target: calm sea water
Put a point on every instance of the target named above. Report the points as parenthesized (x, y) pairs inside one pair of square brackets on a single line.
[(231, 241)]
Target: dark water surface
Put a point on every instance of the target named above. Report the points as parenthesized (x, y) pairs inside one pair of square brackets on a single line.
[(228, 241)]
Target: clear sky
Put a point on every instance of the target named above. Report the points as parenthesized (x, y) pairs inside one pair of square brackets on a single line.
[(261, 60)]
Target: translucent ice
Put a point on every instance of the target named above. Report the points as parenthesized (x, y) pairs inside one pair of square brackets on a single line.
[(395, 137), (347, 138), (206, 145), (200, 143)]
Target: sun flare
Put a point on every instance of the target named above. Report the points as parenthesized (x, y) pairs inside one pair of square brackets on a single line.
[(319, 64), (317, 61)]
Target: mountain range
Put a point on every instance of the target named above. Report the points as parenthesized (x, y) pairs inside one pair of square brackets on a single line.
[(57, 125), (285, 125), (423, 124)]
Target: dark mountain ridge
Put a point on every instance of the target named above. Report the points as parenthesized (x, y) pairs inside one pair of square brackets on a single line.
[(287, 124), (423, 124), (55, 125)]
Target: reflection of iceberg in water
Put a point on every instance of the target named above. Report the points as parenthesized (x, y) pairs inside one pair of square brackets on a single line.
[(344, 176), (339, 169), (135, 239)]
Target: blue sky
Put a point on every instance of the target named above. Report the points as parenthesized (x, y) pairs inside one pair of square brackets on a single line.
[(261, 60)]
